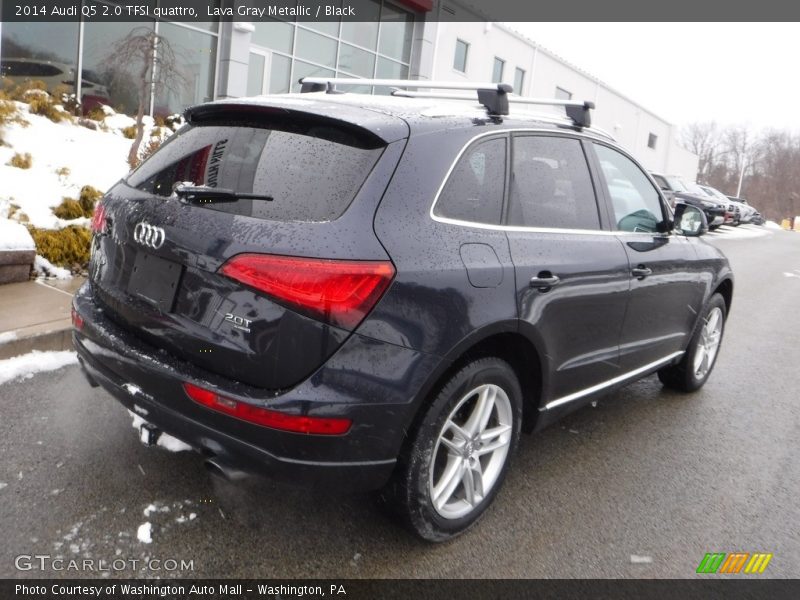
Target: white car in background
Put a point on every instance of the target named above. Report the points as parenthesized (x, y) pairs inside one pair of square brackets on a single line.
[(744, 211)]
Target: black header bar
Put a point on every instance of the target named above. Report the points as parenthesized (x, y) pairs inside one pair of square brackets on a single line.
[(193, 11)]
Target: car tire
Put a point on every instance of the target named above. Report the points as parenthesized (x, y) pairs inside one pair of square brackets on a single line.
[(691, 373), (450, 455)]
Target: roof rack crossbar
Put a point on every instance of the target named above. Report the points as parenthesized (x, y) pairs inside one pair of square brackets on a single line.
[(493, 96), (576, 110)]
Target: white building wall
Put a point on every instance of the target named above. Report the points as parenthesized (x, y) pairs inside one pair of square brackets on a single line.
[(629, 123)]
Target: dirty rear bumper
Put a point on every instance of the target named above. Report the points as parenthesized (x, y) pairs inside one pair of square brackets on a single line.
[(149, 381)]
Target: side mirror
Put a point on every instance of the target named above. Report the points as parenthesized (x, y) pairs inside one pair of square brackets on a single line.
[(690, 220)]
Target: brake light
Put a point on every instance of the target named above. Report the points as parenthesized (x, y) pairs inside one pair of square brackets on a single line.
[(341, 292), (265, 417), (99, 218), (77, 320)]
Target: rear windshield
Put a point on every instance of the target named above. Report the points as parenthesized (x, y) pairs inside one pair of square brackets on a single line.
[(312, 173)]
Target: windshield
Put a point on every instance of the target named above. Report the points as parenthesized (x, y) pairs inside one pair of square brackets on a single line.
[(696, 189), (676, 184), (716, 193)]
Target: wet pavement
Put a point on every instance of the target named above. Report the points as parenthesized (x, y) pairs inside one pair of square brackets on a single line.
[(643, 485)]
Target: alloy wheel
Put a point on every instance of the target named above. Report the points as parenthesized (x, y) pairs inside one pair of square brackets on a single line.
[(470, 451), (708, 344)]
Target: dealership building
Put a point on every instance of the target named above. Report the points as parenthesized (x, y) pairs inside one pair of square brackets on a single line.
[(399, 39)]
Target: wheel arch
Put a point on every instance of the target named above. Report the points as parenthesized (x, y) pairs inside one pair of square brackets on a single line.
[(502, 341), (725, 289)]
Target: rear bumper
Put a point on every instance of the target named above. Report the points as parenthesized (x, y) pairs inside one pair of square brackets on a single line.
[(370, 382)]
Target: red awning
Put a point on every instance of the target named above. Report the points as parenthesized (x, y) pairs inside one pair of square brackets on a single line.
[(418, 5)]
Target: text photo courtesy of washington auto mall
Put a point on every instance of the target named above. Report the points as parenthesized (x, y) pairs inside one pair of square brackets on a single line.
[(396, 298)]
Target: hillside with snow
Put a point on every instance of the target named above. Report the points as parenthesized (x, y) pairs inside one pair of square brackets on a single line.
[(65, 156), (43, 162)]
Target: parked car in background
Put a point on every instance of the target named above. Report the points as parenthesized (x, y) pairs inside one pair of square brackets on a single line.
[(670, 185), (55, 75), (676, 189), (749, 212), (741, 212)]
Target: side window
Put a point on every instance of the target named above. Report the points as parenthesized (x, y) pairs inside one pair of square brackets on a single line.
[(474, 191), (637, 205), (551, 185)]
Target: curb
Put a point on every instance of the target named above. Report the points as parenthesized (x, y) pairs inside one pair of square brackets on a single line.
[(56, 335)]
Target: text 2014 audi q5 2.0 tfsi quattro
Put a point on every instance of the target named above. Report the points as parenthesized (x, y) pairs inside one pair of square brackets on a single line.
[(383, 292)]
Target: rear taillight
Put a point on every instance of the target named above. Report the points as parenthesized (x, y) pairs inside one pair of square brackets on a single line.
[(99, 218), (266, 417), (340, 292), (77, 320)]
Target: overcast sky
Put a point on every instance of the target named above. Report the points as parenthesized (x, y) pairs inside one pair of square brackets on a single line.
[(734, 73)]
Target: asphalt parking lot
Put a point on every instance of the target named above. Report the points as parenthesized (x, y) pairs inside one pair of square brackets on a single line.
[(642, 485)]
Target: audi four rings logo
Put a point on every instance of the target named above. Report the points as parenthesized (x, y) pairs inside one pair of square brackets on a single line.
[(149, 235)]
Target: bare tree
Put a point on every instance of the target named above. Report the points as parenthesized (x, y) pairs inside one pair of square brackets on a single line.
[(703, 140), (152, 63), (769, 162)]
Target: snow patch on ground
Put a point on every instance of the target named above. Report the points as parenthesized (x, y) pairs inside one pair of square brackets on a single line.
[(154, 508), (8, 336), (14, 236), (740, 232), (772, 225), (145, 532), (119, 121), (27, 365), (49, 269), (96, 158)]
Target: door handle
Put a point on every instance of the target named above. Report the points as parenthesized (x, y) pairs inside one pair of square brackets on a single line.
[(640, 272), (544, 281)]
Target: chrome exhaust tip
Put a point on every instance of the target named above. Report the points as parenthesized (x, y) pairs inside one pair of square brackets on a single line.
[(227, 473)]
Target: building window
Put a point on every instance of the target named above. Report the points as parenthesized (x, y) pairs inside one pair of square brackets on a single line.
[(460, 61), (196, 55), (379, 46), (652, 139), (105, 81), (497, 70), (562, 94), (519, 80), (41, 51)]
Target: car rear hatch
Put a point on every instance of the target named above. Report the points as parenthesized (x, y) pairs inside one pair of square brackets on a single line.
[(245, 244)]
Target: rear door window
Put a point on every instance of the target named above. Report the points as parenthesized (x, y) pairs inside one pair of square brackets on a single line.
[(311, 173), (474, 191), (550, 184)]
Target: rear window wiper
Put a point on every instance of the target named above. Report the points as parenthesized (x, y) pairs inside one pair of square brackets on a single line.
[(203, 194)]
